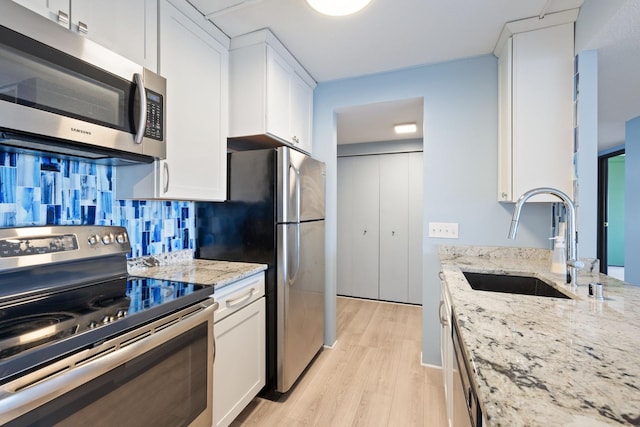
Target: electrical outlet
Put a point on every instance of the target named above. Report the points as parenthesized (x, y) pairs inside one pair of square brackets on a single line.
[(443, 230)]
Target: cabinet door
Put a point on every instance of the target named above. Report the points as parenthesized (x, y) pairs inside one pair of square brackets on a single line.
[(55, 10), (446, 349), (394, 227), (505, 137), (195, 168), (278, 97), (239, 367), (301, 113), (415, 189), (358, 218), (126, 27)]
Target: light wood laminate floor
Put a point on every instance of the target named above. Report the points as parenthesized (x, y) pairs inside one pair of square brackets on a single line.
[(372, 376)]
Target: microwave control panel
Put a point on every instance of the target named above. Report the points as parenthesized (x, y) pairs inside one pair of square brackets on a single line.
[(155, 115)]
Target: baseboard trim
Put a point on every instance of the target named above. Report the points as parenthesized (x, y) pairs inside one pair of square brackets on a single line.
[(332, 346), (428, 365)]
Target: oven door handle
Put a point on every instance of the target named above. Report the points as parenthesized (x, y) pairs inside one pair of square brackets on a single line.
[(44, 385)]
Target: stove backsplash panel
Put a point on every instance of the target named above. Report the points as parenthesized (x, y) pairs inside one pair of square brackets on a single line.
[(39, 190)]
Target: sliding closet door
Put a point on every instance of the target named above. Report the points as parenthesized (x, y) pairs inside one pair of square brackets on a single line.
[(358, 226)]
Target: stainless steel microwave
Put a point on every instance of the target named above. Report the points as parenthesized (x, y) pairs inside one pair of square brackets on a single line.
[(65, 95)]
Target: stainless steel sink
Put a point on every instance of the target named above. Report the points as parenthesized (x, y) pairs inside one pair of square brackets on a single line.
[(523, 285)]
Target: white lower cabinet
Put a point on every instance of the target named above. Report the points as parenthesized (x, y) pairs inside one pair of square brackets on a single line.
[(380, 227), (239, 371), (446, 349)]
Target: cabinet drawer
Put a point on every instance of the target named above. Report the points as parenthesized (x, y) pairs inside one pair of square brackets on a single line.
[(235, 296)]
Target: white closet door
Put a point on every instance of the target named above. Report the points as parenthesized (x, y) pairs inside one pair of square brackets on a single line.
[(346, 220), (415, 185), (394, 227), (358, 225)]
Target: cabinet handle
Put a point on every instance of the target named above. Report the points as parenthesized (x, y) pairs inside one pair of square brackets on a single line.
[(444, 320), (504, 195), (364, 233), (165, 165), (82, 27), (393, 233), (63, 18), (239, 300)]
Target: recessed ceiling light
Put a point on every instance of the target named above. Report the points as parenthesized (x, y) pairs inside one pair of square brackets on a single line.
[(406, 128), (338, 7)]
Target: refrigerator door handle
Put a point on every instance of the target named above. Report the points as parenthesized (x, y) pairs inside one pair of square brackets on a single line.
[(294, 272), (297, 189)]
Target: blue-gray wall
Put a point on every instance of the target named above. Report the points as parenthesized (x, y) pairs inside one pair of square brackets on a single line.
[(632, 202), (40, 190), (460, 167)]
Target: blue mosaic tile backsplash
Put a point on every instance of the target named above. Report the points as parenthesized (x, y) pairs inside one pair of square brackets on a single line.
[(39, 190)]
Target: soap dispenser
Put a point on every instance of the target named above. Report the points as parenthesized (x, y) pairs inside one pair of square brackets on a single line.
[(559, 256)]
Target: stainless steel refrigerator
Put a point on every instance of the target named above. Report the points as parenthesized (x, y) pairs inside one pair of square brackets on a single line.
[(275, 215)]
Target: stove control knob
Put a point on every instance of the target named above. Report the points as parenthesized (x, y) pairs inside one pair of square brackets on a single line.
[(121, 238), (93, 240), (107, 319), (93, 325), (107, 239), (121, 313)]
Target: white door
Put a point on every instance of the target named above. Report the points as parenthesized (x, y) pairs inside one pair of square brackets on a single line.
[(394, 227), (358, 219)]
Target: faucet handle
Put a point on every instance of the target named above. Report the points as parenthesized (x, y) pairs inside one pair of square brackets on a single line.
[(575, 263)]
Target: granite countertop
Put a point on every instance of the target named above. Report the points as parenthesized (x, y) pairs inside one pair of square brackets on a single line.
[(547, 361), (180, 266)]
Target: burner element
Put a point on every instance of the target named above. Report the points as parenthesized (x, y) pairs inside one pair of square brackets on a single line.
[(22, 333)]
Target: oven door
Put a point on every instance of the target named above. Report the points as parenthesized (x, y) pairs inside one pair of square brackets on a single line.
[(160, 374)]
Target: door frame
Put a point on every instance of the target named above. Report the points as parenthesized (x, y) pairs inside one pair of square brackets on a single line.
[(603, 206)]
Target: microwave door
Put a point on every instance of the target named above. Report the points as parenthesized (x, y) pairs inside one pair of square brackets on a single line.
[(77, 92)]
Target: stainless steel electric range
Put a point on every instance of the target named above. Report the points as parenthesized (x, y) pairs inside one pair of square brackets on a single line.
[(81, 341)]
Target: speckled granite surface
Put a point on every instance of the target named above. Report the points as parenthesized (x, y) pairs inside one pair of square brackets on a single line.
[(181, 266), (545, 361)]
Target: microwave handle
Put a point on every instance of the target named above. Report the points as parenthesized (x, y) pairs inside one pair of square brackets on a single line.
[(142, 120)]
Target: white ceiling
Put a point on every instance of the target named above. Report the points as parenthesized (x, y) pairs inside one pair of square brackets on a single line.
[(374, 122), (393, 34), (618, 45)]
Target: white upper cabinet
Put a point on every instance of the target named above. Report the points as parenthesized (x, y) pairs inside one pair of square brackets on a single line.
[(536, 95), (301, 112), (127, 27), (195, 65), (271, 95)]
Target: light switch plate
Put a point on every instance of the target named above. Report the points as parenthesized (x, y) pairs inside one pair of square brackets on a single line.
[(443, 230)]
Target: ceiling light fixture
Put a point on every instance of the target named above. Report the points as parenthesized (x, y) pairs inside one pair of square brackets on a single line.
[(338, 7), (406, 128)]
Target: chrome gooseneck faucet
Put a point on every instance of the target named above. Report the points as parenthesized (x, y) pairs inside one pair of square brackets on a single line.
[(572, 234)]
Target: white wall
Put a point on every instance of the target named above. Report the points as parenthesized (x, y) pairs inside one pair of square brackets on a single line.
[(460, 167), (587, 161)]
